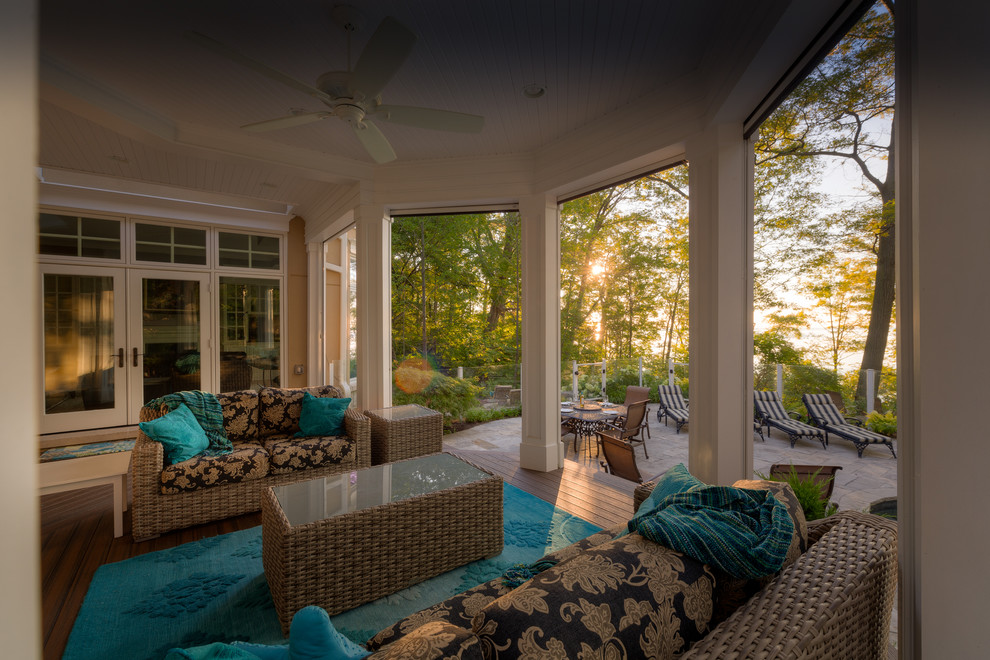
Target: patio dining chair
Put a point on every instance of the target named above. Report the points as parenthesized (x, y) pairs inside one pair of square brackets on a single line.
[(770, 412), (631, 428), (634, 394), (672, 406), (824, 414), (620, 457)]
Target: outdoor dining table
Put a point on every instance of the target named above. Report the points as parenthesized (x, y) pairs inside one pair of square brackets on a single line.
[(587, 419)]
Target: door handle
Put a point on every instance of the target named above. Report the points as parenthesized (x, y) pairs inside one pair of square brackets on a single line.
[(135, 354), (120, 357)]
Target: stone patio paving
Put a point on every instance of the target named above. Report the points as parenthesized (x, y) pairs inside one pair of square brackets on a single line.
[(859, 482)]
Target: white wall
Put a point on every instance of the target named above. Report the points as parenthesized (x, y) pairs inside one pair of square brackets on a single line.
[(943, 318), (20, 606)]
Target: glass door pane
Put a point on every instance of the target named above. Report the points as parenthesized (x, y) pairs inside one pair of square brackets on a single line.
[(83, 334), (250, 333), (169, 351)]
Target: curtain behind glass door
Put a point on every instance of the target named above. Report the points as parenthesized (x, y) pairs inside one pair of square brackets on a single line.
[(79, 337)]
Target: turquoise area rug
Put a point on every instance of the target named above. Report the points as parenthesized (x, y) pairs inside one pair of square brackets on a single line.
[(214, 590)]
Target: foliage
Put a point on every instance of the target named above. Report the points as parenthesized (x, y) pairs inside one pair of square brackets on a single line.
[(810, 493), (840, 115), (451, 396), (478, 415), (624, 271), (883, 423), (456, 289), (807, 379)]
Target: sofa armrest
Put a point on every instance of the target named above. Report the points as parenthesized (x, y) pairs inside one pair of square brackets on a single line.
[(835, 601), (358, 428), (641, 493), (147, 463)]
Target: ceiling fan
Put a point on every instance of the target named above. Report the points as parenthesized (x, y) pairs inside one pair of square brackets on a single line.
[(355, 95)]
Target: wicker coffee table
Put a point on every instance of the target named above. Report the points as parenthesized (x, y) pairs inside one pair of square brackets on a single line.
[(403, 432), (347, 539)]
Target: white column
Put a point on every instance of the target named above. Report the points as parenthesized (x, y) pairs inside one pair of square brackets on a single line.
[(943, 312), (374, 308), (721, 335), (316, 314), (20, 604), (541, 448)]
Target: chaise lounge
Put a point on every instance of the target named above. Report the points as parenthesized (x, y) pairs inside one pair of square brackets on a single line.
[(672, 406), (770, 412), (824, 414)]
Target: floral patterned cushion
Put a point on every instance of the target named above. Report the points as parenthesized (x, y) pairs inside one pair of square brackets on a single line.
[(433, 641), (248, 461), (282, 407), (287, 453), (627, 598), (461, 609), (240, 415)]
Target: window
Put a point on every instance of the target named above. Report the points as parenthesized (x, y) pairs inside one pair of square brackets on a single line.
[(78, 236), (170, 245), (249, 251), (250, 333)]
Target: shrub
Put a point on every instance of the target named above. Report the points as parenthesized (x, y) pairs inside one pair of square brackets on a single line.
[(450, 396), (479, 415), (883, 423), (810, 493)]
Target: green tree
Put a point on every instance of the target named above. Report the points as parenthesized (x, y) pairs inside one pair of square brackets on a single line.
[(845, 110)]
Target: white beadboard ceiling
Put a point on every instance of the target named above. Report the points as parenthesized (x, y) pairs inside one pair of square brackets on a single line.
[(124, 94)]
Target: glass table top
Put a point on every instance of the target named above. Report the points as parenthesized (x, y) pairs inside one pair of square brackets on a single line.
[(407, 411), (308, 501)]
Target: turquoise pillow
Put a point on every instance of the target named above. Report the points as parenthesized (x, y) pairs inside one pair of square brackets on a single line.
[(179, 432), (674, 481), (322, 416)]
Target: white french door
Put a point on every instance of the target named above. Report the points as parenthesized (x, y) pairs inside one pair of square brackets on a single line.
[(168, 328), (115, 338)]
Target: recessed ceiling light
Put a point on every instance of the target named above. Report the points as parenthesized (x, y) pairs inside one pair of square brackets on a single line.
[(534, 91)]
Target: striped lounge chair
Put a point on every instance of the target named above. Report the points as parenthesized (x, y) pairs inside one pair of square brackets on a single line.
[(770, 412), (825, 415), (672, 406)]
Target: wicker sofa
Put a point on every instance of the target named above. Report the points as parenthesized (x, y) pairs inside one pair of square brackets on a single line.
[(833, 601), (261, 425)]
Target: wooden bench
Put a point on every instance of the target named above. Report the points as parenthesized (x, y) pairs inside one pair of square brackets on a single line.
[(87, 471)]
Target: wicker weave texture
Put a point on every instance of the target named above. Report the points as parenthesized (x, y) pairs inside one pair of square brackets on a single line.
[(396, 440), (344, 561), (153, 513), (834, 602)]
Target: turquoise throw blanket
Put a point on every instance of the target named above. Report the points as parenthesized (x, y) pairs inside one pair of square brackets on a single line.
[(206, 409), (745, 533)]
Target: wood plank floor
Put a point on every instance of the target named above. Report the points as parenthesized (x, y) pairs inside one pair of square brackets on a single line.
[(77, 529)]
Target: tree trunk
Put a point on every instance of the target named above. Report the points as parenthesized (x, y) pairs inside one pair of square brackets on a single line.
[(422, 271), (882, 307)]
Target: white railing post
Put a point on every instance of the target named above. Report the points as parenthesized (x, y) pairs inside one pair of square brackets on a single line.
[(641, 371), (460, 373), (574, 380), (604, 398), (871, 382), (670, 371), (780, 381)]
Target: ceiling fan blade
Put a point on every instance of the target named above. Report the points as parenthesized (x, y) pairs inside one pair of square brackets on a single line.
[(384, 53), (287, 121), (263, 69), (438, 120), (374, 141)]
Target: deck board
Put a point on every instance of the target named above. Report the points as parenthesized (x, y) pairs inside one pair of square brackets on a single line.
[(77, 529)]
